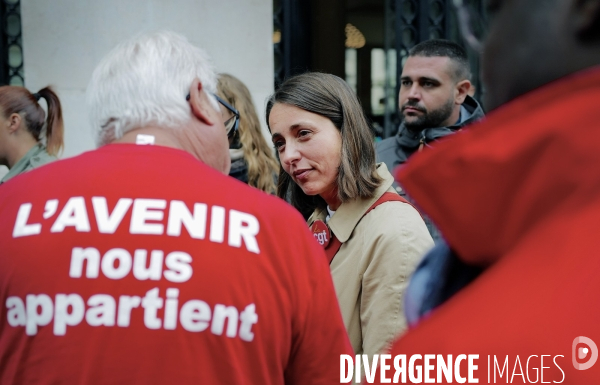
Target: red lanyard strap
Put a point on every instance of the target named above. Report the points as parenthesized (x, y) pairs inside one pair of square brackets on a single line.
[(330, 242)]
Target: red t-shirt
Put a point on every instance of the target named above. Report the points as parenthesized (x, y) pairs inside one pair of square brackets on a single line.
[(139, 264)]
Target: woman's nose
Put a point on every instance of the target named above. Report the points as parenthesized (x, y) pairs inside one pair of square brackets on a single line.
[(289, 155)]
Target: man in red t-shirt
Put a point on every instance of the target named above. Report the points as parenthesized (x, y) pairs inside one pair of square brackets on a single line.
[(143, 263)]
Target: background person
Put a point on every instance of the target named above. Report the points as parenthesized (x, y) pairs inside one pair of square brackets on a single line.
[(328, 165), (434, 99), (252, 159), (22, 133), (142, 262), (434, 102), (516, 197)]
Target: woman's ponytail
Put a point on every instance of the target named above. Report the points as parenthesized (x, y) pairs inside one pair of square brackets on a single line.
[(54, 121)]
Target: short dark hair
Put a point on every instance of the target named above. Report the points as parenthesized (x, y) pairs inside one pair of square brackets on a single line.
[(331, 97), (445, 48)]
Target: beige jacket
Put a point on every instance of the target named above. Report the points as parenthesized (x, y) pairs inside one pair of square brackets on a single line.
[(371, 270)]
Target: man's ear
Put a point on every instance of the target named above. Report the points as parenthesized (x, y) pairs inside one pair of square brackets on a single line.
[(587, 19), (200, 104), (462, 90), (14, 122)]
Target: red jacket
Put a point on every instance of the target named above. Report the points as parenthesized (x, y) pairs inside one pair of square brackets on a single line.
[(520, 194)]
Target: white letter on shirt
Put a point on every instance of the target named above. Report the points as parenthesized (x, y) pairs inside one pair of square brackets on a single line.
[(78, 255), (108, 263), (221, 313), (107, 224), (179, 214), (248, 318), (217, 224), (22, 229), (147, 210), (62, 317), (16, 311), (194, 315), (178, 263), (139, 265), (73, 214), (126, 304), (243, 225), (101, 310), (35, 318), (151, 303)]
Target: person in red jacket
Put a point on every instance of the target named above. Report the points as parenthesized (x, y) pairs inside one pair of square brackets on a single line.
[(142, 262), (517, 197)]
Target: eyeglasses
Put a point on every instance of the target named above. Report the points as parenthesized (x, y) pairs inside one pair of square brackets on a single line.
[(231, 124), (471, 24)]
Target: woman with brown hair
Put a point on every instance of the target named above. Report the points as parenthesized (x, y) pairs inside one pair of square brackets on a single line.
[(22, 123), (252, 160), (372, 237)]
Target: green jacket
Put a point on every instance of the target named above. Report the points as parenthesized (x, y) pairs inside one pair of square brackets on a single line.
[(37, 156)]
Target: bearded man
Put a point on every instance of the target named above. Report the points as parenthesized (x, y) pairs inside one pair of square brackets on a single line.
[(517, 197), (434, 99)]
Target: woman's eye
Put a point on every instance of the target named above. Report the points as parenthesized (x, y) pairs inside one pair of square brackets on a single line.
[(278, 145), (303, 133)]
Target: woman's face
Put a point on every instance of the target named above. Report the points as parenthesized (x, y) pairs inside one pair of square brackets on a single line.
[(309, 148), (8, 136)]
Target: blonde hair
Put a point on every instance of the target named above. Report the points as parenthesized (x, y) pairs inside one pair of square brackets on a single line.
[(262, 165)]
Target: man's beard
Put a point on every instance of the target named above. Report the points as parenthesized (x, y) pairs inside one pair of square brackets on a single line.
[(429, 119)]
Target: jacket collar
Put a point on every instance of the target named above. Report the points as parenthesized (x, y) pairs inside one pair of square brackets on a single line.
[(528, 163), (35, 157), (347, 216), (410, 140)]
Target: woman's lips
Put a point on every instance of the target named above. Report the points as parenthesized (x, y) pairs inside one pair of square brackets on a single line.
[(301, 175)]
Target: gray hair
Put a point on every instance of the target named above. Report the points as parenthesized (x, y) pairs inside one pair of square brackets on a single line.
[(145, 81)]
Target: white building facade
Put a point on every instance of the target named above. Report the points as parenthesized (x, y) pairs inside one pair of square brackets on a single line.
[(63, 41)]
